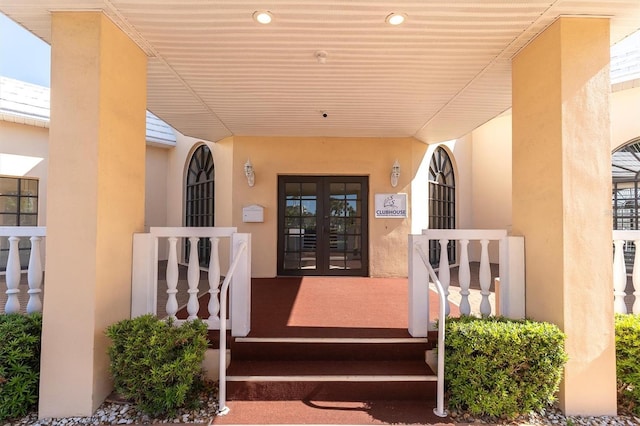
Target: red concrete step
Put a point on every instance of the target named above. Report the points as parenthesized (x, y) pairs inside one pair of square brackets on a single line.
[(332, 391), (329, 371), (330, 380), (332, 369), (329, 349)]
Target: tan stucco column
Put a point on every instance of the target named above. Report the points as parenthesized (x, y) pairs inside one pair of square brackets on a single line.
[(95, 204), (562, 200)]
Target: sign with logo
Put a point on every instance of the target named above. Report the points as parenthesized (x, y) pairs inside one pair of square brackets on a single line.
[(391, 205)]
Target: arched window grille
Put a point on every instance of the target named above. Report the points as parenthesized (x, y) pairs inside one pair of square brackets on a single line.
[(442, 201), (625, 197), (200, 197), (625, 170)]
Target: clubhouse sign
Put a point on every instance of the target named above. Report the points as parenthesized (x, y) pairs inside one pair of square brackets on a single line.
[(391, 205)]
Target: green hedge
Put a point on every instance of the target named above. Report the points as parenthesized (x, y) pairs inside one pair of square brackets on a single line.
[(19, 364), (500, 367), (628, 361), (156, 364)]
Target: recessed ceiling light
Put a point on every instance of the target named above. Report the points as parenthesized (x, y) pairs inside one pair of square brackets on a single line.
[(262, 17), (395, 18)]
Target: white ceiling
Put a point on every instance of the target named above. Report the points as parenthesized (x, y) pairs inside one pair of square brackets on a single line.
[(214, 72)]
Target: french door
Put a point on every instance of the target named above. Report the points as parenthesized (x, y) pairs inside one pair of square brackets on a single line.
[(322, 225)]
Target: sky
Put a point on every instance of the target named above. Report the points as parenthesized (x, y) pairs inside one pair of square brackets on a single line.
[(22, 55)]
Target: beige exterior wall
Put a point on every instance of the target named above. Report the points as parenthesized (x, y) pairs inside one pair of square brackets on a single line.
[(490, 196), (33, 142), (491, 171), (155, 200), (272, 156), (96, 202), (625, 124), (462, 158), (482, 160), (491, 180), (561, 196)]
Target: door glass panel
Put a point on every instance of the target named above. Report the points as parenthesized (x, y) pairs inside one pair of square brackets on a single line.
[(353, 252), (345, 207), (300, 224), (322, 225)]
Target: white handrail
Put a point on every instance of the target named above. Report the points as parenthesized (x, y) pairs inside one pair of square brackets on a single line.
[(439, 410), (222, 384)]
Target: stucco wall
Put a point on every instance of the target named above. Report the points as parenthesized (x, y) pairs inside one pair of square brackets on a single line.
[(96, 187), (482, 161), (490, 197), (21, 139), (491, 165), (625, 125), (155, 202), (372, 157)]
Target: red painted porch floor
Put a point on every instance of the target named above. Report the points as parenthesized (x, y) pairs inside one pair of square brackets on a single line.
[(335, 307), (331, 307)]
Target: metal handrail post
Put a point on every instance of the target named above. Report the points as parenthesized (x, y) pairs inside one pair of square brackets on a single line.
[(439, 410), (224, 290)]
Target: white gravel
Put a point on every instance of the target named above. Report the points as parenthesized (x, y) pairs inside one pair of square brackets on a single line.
[(116, 413), (553, 416)]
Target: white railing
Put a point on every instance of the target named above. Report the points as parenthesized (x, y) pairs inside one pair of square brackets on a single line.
[(144, 298), (14, 271), (222, 366), (509, 298), (419, 250), (620, 239)]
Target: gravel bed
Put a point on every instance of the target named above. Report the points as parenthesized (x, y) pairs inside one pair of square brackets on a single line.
[(123, 413), (551, 416), (113, 413)]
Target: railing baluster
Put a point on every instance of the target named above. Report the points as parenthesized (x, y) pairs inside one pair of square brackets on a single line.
[(485, 279), (464, 278), (636, 278), (13, 277), (443, 272), (172, 278), (619, 277), (34, 277), (214, 280), (193, 279)]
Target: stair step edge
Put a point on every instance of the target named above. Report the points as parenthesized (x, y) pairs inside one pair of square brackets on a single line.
[(336, 378), (333, 340)]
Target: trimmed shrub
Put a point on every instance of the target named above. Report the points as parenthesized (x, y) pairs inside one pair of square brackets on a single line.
[(19, 364), (156, 364), (627, 365), (500, 367)]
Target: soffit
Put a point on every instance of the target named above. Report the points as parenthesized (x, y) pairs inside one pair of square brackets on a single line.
[(213, 72)]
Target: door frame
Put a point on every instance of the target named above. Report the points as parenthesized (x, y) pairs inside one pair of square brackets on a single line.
[(322, 191)]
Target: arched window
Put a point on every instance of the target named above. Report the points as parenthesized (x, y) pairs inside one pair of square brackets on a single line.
[(625, 168), (442, 201), (199, 197)]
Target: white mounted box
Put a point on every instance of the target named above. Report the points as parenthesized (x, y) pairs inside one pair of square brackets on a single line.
[(253, 213)]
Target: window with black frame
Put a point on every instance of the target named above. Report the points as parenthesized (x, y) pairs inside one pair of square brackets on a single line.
[(625, 196), (200, 198), (442, 202), (18, 207)]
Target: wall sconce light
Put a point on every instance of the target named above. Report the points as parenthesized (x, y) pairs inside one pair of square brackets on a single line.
[(249, 173), (395, 173)]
